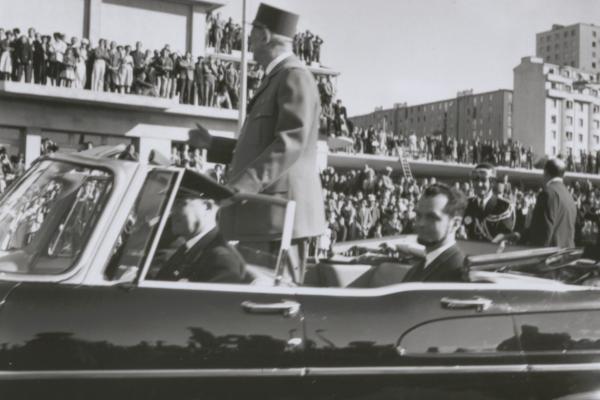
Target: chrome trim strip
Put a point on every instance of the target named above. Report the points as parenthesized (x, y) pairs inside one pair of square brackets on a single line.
[(579, 367), (361, 292), (151, 373), (296, 372)]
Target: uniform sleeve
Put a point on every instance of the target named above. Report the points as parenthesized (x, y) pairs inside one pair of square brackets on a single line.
[(296, 105)]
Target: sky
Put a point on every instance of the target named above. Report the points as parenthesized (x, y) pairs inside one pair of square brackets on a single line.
[(417, 51)]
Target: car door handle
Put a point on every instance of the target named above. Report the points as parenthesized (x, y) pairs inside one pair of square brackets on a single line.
[(479, 303), (288, 308)]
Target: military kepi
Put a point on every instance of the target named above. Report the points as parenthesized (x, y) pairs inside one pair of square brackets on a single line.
[(276, 20)]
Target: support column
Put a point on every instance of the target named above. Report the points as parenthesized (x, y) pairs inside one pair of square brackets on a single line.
[(33, 144), (197, 31), (322, 152), (92, 21)]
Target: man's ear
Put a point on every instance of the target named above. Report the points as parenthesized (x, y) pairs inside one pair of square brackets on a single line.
[(456, 222)]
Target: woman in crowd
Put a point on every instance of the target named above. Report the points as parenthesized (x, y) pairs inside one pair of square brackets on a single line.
[(81, 65), (6, 56), (125, 70), (67, 75)]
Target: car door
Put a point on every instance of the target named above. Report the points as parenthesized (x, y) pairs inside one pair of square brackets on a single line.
[(559, 331), (158, 339), (114, 337), (413, 340)]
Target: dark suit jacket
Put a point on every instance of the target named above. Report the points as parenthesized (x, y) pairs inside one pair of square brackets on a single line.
[(447, 267), (276, 152), (211, 259), (553, 219)]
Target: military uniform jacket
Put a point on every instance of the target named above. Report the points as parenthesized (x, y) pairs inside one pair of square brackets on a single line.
[(276, 152), (498, 216)]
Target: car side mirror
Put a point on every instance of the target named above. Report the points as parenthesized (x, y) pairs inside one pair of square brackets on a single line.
[(126, 275)]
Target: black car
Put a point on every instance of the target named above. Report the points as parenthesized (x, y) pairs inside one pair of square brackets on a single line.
[(82, 314)]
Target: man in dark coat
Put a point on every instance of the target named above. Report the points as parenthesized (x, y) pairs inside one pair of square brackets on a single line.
[(554, 214), (487, 215), (276, 151), (439, 215), (205, 256)]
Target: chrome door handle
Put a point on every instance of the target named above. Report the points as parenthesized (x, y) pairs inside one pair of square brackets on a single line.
[(478, 303), (288, 308)]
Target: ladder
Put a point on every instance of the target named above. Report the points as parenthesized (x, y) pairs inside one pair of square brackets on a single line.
[(406, 171)]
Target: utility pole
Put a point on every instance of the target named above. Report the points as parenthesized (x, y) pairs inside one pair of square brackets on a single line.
[(244, 72)]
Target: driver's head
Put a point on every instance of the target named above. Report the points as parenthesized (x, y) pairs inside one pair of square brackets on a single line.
[(439, 214), (482, 178), (191, 216)]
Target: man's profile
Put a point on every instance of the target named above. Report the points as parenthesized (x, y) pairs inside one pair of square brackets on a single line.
[(439, 214), (205, 256)]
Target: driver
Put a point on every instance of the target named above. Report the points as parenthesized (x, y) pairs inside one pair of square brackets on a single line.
[(205, 256), (488, 216)]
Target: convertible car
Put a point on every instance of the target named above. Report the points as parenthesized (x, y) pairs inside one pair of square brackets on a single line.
[(82, 314)]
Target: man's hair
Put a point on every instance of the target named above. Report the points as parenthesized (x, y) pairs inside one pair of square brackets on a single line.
[(485, 166), (554, 168), (457, 202)]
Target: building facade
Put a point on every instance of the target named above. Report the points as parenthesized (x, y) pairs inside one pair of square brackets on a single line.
[(556, 108), (487, 116), (575, 45)]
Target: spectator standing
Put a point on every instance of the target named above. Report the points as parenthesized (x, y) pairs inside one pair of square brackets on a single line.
[(125, 70), (40, 58), (67, 75), (24, 60), (57, 49), (232, 84), (101, 56), (82, 55), (139, 60), (112, 68), (164, 70), (208, 85), (198, 80), (187, 68), (316, 54), (308, 47)]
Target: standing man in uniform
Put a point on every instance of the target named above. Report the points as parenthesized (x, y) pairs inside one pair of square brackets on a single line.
[(487, 216), (276, 152)]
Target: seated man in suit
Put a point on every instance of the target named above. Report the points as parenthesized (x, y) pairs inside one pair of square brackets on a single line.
[(205, 256), (439, 214)]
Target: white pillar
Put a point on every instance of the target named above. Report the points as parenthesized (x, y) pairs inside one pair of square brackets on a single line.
[(197, 31), (93, 28), (33, 145), (322, 152)]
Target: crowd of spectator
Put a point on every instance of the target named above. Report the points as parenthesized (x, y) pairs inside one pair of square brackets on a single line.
[(363, 204), (307, 47), (111, 67), (223, 36)]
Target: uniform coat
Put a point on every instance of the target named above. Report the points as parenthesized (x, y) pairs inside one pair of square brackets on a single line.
[(484, 223), (553, 219), (276, 152)]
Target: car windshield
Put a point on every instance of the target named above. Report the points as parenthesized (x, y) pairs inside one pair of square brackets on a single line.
[(46, 220)]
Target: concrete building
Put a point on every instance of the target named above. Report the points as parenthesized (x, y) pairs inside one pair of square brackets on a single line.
[(575, 45), (556, 108), (484, 115)]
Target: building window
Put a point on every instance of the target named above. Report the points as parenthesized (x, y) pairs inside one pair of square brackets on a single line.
[(569, 104), (553, 150), (554, 135), (593, 44), (553, 119), (597, 139), (554, 103), (596, 109), (569, 121), (580, 106), (580, 138), (580, 122), (569, 135), (593, 65), (596, 124)]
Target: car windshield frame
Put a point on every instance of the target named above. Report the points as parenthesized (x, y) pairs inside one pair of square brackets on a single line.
[(77, 195)]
